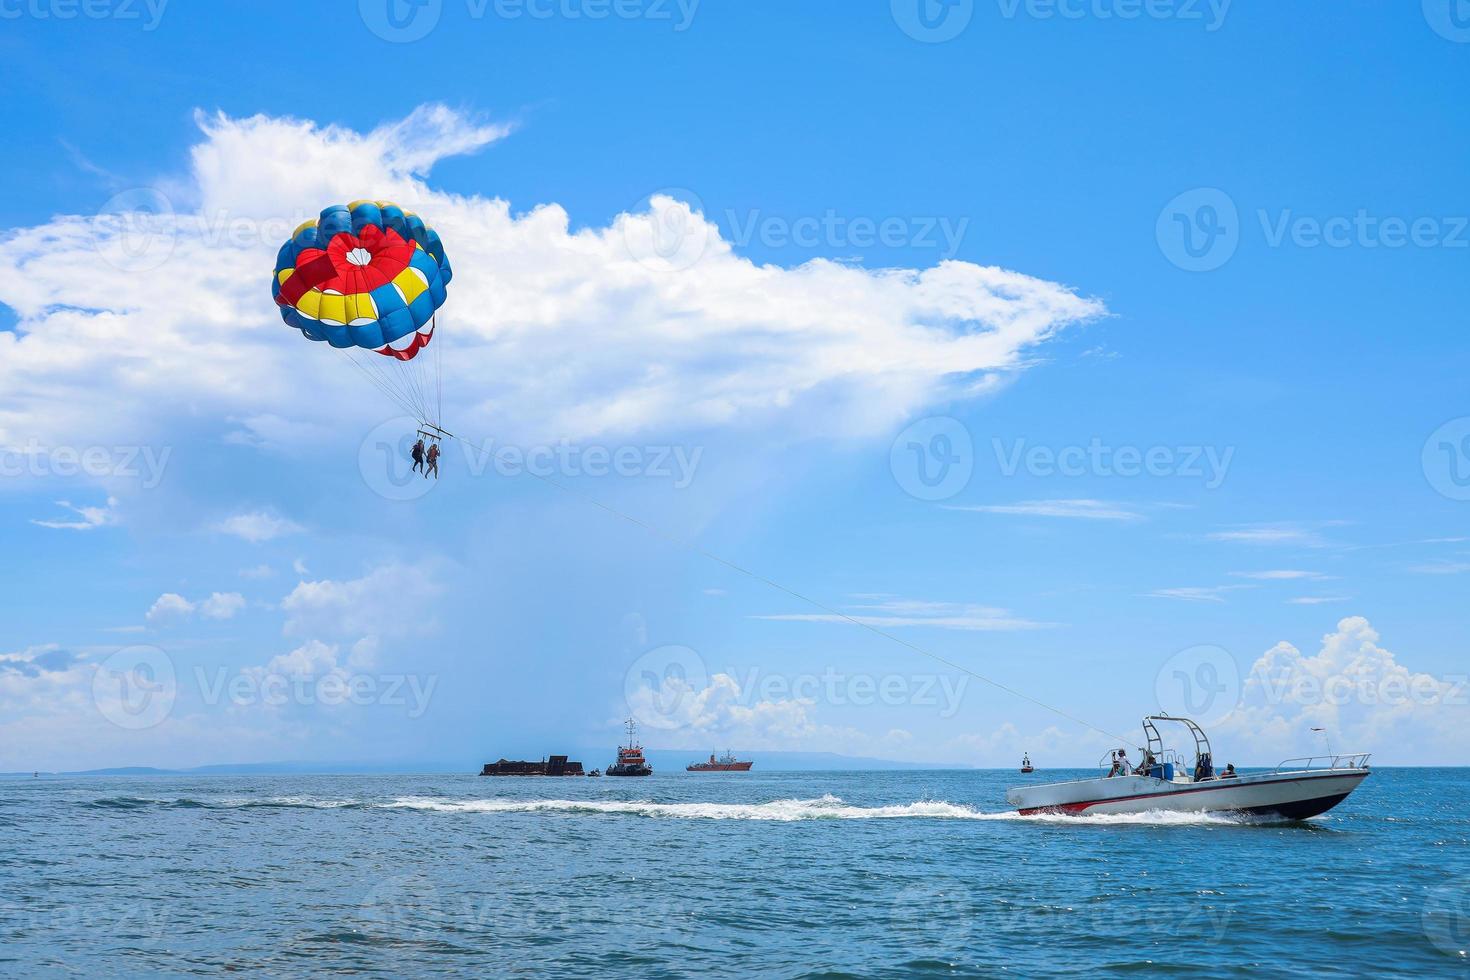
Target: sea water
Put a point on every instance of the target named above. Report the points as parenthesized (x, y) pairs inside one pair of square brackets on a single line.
[(776, 874)]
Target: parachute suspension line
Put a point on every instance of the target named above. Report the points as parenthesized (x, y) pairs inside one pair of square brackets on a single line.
[(690, 546), (396, 397), (438, 371)]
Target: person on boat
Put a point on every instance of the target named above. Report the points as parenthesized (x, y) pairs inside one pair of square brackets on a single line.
[(433, 462), (1229, 772), (418, 455), (1148, 763)]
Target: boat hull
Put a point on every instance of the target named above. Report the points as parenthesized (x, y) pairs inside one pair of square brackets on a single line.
[(1289, 795), (719, 767)]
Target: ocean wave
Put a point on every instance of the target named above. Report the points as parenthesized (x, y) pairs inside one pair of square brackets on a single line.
[(826, 807), (189, 803)]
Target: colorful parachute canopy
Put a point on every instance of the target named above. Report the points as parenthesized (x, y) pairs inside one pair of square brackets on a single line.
[(367, 274)]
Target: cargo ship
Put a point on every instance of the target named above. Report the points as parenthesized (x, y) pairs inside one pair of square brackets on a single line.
[(556, 765), (727, 763), (630, 757)]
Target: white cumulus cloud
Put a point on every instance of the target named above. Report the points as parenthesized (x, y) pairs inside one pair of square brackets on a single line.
[(257, 526), (1358, 693), (696, 336)]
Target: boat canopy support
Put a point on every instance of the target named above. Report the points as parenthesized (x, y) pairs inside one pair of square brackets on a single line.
[(1156, 741)]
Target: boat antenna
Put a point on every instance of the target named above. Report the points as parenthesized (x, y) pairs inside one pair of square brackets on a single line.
[(693, 548)]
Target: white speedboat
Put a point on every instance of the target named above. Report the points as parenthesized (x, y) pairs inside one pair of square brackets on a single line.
[(1294, 790)]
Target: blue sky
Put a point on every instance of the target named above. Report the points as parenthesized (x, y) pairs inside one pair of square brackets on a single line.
[(886, 237)]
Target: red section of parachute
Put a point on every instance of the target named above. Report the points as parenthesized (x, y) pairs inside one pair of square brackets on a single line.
[(333, 271), (419, 342)]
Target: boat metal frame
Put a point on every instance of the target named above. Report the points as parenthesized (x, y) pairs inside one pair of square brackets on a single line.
[(1157, 749), (1355, 760)]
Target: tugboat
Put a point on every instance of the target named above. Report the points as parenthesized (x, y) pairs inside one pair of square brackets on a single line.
[(630, 757), (728, 763), (1026, 765)]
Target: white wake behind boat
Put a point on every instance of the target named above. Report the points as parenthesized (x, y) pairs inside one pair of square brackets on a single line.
[(1295, 790)]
